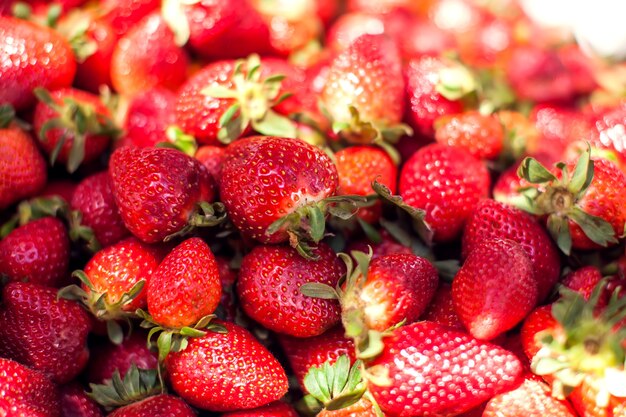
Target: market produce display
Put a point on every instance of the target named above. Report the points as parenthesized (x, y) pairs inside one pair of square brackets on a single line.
[(332, 208)]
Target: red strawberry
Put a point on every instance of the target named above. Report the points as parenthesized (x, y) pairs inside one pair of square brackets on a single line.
[(59, 188), (507, 187), (39, 57), (269, 289), (480, 135), (76, 403), (425, 38), (609, 130), (185, 287), (124, 14), (149, 115), (583, 280), (492, 219), (212, 158), (147, 57), (73, 126), (441, 309), (538, 321), (362, 408), (38, 252), (350, 26), (558, 126), (26, 392), (495, 288), (93, 198), (277, 409), (40, 331), (434, 370), (157, 190), (163, 405), (447, 183), (234, 363), (228, 277), (22, 167)]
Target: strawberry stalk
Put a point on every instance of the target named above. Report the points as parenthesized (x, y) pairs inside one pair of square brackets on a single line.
[(138, 384), (204, 215)]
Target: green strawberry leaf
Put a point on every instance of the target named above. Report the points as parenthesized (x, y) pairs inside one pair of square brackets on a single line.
[(319, 290), (334, 386), (583, 174), (534, 172), (559, 230), (596, 228)]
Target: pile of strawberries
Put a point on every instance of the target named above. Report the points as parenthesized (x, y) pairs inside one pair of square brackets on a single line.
[(282, 208)]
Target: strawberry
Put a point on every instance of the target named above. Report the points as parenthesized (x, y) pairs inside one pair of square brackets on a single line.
[(558, 126), (212, 158), (425, 38), (76, 403), (93, 198), (40, 331), (26, 392), (388, 245), (537, 321), (609, 129), (234, 364), (480, 135), (508, 186), (73, 126), (441, 309), (148, 116), (583, 280), (228, 276), (63, 189), (447, 183), (350, 26), (276, 409), (158, 190), (147, 57), (362, 408), (163, 404), (39, 57), (38, 252), (492, 219), (269, 289), (122, 15), (22, 168), (487, 297), (463, 371)]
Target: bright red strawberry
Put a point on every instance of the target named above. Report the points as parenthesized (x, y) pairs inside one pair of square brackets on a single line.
[(73, 126), (157, 190), (583, 280), (256, 193), (38, 252), (22, 168), (162, 405), (455, 371), (147, 57), (40, 331), (33, 56), (447, 183), (277, 409), (269, 289), (124, 14), (537, 321), (234, 364), (212, 158), (609, 130), (93, 198), (26, 392), (492, 219), (495, 288), (441, 309), (149, 115), (480, 135), (76, 403)]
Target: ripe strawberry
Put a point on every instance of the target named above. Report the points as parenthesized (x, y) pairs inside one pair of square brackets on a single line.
[(609, 129), (583, 280), (157, 190), (124, 14), (425, 38), (166, 405), (73, 126), (40, 331), (38, 57), (480, 135), (350, 26), (148, 116), (147, 57), (558, 126), (93, 198), (59, 188), (492, 219), (212, 158), (495, 288), (456, 372), (441, 309), (362, 408), (76, 403), (447, 183), (38, 252), (26, 392), (227, 309), (276, 409), (508, 186), (234, 364), (22, 168), (269, 289), (537, 321)]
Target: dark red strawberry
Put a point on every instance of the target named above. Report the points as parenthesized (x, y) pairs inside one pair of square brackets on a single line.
[(277, 409), (234, 364), (76, 403), (59, 188), (583, 280), (447, 183), (38, 252), (26, 392), (228, 276), (455, 371), (212, 158), (165, 405), (39, 57), (492, 219), (480, 135), (495, 289), (93, 198), (124, 14), (40, 331), (149, 115), (157, 190), (441, 309)]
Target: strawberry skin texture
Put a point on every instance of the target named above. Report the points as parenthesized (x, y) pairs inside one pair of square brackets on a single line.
[(42, 332), (584, 400), (361, 408), (26, 392), (266, 178), (149, 114), (492, 219), (156, 189), (583, 280), (158, 405), (186, 285), (277, 409), (398, 287), (447, 183), (94, 198), (437, 371), (212, 158), (22, 168), (34, 56), (269, 289), (441, 309), (38, 252), (480, 135), (495, 288), (539, 320), (76, 403), (226, 372)]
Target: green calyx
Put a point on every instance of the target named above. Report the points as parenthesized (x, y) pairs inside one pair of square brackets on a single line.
[(179, 140), (590, 347), (74, 28), (138, 384), (204, 215), (254, 99), (77, 121), (559, 199)]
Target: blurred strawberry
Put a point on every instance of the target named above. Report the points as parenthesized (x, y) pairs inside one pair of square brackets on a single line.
[(149, 115)]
